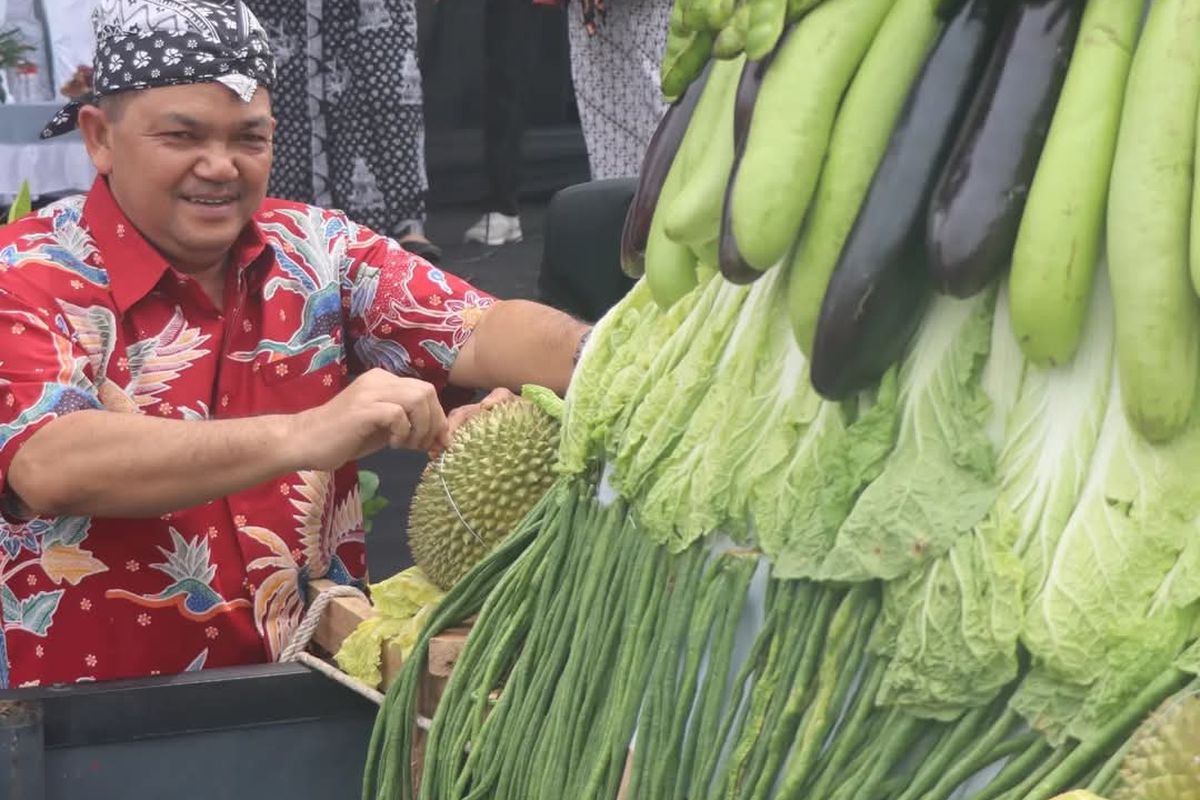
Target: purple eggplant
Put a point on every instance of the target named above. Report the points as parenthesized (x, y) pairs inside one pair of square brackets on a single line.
[(977, 205), (656, 163), (880, 285)]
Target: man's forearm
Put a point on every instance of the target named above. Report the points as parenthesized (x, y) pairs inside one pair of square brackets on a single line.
[(100, 463), (518, 342)]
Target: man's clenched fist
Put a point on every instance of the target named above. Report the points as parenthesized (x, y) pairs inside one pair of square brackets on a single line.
[(377, 410)]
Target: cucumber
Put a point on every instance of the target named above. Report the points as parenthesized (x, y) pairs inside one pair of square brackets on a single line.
[(670, 265), (793, 118), (1058, 243), (1149, 210), (694, 215), (860, 138)]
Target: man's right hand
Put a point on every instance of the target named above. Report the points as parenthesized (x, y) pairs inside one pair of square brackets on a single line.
[(377, 410)]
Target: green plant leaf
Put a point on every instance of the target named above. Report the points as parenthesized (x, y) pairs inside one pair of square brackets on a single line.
[(22, 205)]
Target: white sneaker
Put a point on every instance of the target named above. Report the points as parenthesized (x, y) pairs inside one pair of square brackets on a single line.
[(495, 229)]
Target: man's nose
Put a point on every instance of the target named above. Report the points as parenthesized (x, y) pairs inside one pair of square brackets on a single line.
[(216, 165)]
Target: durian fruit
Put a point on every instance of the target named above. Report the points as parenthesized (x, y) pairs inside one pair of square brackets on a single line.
[(1163, 762), (497, 467)]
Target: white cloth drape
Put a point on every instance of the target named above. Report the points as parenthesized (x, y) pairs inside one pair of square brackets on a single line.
[(69, 29)]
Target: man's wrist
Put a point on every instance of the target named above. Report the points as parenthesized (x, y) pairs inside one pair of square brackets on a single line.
[(579, 348), (283, 433)]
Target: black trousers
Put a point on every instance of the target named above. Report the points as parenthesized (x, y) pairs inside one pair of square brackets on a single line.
[(511, 37)]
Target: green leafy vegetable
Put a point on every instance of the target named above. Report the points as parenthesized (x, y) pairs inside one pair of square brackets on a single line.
[(940, 480), (1117, 603)]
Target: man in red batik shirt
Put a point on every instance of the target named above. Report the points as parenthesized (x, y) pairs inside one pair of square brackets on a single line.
[(188, 370)]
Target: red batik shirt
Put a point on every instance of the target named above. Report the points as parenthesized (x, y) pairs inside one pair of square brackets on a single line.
[(92, 317)]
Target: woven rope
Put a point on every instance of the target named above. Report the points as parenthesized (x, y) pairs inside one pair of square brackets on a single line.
[(308, 626)]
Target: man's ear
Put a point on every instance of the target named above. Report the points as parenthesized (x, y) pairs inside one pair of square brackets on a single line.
[(97, 133)]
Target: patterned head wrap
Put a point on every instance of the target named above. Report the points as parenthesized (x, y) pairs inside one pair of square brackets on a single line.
[(141, 44)]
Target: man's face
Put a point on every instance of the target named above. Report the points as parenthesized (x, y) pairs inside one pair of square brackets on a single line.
[(187, 164)]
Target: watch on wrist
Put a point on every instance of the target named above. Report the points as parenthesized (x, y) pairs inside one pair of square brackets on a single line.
[(583, 340)]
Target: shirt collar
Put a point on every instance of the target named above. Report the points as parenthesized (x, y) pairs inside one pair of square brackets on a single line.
[(134, 266)]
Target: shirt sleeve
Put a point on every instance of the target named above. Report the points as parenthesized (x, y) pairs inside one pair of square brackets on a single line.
[(404, 314), (44, 374)]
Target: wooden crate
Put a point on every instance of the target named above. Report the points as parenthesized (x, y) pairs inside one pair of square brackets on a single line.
[(345, 614)]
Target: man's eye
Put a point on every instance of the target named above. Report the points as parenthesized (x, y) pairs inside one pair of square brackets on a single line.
[(180, 136)]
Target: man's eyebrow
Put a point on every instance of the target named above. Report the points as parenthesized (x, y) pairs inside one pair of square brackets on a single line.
[(256, 122), (175, 118)]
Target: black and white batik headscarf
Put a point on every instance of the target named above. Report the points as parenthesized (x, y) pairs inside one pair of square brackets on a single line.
[(141, 44)]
